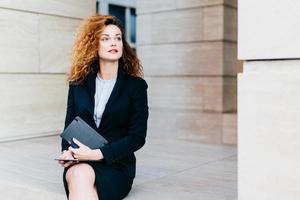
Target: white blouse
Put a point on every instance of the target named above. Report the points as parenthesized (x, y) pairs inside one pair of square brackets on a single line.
[(102, 94)]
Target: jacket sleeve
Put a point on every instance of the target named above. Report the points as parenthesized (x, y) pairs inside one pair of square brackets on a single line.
[(70, 115), (137, 128)]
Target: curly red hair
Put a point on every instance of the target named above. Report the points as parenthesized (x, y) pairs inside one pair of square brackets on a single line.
[(85, 49)]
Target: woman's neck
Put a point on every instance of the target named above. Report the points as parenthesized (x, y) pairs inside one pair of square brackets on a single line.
[(108, 70)]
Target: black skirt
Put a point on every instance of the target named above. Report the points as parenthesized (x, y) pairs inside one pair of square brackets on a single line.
[(111, 183)]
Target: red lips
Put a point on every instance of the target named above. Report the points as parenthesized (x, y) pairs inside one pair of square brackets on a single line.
[(113, 50)]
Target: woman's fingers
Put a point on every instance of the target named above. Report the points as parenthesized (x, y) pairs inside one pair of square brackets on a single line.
[(66, 164), (81, 153), (78, 142), (69, 163), (74, 152), (65, 155)]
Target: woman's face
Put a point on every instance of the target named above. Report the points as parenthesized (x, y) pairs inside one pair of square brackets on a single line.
[(110, 44)]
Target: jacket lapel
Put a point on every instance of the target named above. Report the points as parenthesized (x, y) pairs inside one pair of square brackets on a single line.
[(91, 87)]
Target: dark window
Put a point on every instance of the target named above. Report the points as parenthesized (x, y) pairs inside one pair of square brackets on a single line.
[(132, 25), (97, 6), (119, 12)]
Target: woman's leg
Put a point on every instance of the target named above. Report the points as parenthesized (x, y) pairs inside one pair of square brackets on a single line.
[(81, 182)]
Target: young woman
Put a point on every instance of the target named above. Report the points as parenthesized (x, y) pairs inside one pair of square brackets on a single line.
[(106, 90)]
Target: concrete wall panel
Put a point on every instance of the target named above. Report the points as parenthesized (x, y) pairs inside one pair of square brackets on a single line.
[(19, 41), (67, 8), (144, 7), (268, 128), (31, 105), (175, 92), (56, 40), (268, 29), (182, 59), (186, 124)]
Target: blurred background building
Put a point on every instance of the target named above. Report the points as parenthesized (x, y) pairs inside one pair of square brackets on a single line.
[(187, 48)]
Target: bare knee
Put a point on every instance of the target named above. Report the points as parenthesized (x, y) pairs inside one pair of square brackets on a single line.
[(80, 173)]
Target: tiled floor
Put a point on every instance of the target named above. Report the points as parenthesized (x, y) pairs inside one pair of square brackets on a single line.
[(166, 170)]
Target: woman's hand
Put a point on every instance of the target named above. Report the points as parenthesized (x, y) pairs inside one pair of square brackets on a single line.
[(84, 152), (66, 155)]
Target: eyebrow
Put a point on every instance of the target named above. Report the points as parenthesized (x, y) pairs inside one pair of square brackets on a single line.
[(108, 34)]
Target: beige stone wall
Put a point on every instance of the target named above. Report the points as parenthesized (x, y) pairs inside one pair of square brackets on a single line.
[(35, 40), (188, 50), (269, 96)]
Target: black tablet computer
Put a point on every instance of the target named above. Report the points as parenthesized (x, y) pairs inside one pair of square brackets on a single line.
[(80, 130)]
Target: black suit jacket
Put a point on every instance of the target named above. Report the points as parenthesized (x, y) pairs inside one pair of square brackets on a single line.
[(124, 120)]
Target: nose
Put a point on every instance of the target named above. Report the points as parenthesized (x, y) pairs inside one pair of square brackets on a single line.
[(113, 42)]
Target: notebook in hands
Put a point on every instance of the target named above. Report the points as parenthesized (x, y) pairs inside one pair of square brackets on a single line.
[(80, 130)]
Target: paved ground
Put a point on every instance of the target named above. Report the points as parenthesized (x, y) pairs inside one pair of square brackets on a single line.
[(166, 170)]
